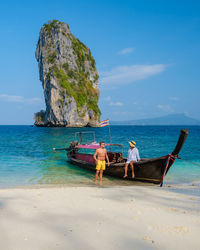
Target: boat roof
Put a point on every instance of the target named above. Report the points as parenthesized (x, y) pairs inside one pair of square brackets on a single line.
[(90, 146), (95, 145)]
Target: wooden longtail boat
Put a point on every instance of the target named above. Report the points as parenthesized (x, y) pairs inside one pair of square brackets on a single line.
[(147, 170)]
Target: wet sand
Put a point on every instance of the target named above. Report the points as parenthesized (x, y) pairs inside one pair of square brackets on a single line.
[(117, 217)]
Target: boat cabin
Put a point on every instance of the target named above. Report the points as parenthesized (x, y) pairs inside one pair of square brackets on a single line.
[(85, 145)]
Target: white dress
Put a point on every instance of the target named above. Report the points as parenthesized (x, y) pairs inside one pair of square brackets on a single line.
[(133, 155)]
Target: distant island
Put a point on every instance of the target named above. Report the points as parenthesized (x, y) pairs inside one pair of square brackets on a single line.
[(173, 119)]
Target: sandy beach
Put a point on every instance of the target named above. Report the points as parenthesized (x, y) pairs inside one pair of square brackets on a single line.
[(122, 217)]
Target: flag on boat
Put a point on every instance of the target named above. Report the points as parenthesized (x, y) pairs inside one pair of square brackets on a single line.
[(104, 123)]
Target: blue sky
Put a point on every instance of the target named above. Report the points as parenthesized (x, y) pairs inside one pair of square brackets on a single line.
[(147, 54)]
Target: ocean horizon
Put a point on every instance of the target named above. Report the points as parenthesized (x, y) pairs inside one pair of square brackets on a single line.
[(27, 158)]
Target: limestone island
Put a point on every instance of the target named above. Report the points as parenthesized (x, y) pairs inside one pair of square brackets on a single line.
[(69, 78)]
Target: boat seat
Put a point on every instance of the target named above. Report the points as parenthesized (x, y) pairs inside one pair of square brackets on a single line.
[(115, 157)]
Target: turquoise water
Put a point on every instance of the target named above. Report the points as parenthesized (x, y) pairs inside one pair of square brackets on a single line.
[(27, 158)]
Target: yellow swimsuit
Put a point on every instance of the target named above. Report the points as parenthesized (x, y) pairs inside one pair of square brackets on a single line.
[(101, 165)]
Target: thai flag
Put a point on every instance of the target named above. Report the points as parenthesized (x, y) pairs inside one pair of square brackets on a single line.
[(104, 123)]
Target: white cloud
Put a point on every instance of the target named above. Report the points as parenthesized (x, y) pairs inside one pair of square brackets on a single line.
[(166, 108), (173, 98), (126, 51), (119, 104), (33, 100), (108, 98), (128, 74), (20, 99)]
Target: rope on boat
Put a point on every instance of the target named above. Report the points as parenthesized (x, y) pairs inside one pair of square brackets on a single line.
[(168, 158)]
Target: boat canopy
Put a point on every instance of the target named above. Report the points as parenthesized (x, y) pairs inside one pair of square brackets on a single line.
[(95, 145), (90, 146)]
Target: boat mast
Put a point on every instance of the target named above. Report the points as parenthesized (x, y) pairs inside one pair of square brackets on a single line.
[(80, 137)]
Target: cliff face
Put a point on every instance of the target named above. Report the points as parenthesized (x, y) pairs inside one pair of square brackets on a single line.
[(69, 78)]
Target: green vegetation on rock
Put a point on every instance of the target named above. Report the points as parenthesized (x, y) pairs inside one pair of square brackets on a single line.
[(51, 58), (83, 54), (83, 92), (39, 116), (52, 25), (65, 66)]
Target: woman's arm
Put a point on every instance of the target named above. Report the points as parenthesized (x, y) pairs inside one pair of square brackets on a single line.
[(137, 155)]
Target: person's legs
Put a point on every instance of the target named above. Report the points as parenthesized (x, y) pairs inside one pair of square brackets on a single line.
[(103, 167), (132, 169), (96, 176), (126, 169), (98, 167), (101, 176)]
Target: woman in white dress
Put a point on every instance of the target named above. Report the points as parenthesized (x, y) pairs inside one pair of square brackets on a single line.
[(133, 156)]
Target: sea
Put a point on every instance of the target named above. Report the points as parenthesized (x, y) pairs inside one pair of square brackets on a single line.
[(27, 157)]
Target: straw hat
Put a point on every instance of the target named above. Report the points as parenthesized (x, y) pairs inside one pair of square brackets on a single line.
[(132, 143)]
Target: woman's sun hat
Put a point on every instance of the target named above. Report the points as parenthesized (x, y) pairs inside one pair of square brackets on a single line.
[(132, 143)]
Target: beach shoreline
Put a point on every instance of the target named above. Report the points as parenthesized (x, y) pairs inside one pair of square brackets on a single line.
[(108, 217)]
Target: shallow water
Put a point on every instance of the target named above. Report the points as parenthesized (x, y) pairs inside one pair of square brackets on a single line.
[(27, 158)]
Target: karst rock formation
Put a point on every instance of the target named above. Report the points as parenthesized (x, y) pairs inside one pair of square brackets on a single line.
[(69, 79)]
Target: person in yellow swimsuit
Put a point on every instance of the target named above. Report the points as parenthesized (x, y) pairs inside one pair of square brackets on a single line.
[(100, 156)]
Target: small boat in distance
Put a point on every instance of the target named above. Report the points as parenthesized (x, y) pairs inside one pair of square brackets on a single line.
[(147, 169)]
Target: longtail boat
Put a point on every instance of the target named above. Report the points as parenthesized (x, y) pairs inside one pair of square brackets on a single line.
[(147, 169)]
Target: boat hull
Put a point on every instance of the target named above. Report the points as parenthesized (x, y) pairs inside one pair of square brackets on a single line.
[(146, 170)]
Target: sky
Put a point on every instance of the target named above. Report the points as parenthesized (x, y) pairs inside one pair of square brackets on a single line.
[(147, 55)]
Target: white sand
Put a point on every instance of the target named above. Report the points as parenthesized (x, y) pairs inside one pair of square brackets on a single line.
[(132, 217)]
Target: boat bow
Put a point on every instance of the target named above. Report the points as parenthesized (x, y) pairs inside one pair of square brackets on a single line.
[(181, 140)]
